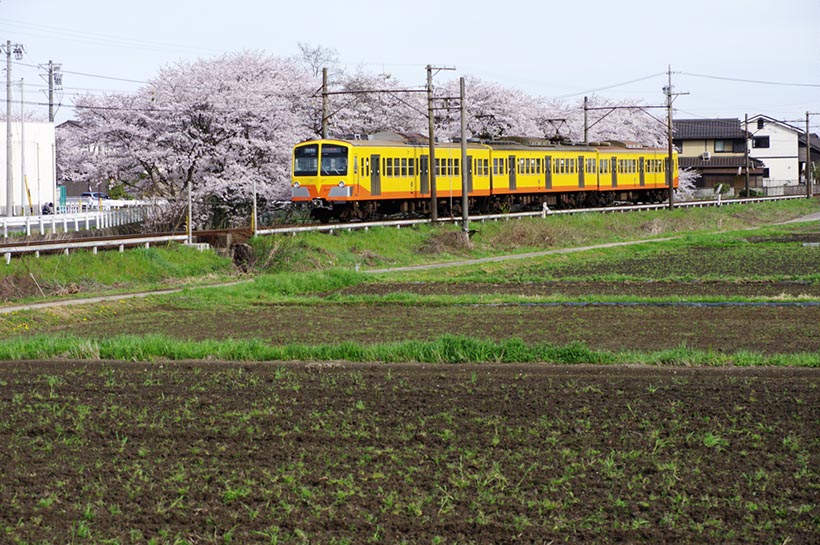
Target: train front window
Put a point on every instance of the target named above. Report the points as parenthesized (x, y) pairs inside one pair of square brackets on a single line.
[(334, 160), (306, 160)]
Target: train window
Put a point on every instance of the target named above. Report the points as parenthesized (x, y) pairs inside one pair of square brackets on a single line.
[(404, 167), (456, 163), (334, 160), (389, 170), (438, 167), (306, 160), (411, 167)]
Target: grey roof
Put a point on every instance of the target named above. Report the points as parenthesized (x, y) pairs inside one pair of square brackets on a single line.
[(732, 161), (707, 129), (815, 141)]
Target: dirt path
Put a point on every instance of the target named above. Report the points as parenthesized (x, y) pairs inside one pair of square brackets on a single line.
[(108, 298), (499, 258)]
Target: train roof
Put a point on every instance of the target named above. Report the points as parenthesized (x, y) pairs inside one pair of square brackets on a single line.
[(519, 143)]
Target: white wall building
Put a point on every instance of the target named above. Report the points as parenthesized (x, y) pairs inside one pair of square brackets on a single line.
[(32, 173), (776, 144)]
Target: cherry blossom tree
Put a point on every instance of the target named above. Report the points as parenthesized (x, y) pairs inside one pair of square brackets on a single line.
[(219, 124), (222, 124)]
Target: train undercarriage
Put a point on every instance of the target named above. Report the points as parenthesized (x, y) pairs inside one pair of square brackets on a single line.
[(375, 210)]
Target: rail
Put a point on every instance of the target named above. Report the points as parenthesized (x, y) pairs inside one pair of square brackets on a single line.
[(329, 228)]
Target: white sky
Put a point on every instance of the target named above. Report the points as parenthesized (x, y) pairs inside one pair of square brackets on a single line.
[(544, 47)]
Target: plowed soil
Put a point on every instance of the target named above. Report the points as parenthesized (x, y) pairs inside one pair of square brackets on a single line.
[(581, 289), (764, 329), (222, 453)]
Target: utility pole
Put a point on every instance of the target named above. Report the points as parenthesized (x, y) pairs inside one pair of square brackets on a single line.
[(670, 160), (465, 207), (54, 78), (23, 182), (324, 104), (18, 54), (808, 159), (9, 167), (586, 121), (432, 141), (431, 168), (746, 147)]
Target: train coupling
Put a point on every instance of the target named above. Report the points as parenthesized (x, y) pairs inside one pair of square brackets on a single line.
[(321, 203)]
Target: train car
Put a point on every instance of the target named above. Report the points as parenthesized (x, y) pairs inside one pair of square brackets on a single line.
[(390, 174)]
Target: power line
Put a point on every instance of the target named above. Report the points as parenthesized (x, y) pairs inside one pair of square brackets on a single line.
[(590, 91), (95, 38), (741, 80)]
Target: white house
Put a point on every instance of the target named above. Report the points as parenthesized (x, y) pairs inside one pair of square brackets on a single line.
[(776, 144), (33, 180)]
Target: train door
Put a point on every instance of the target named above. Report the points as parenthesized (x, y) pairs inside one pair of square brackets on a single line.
[(641, 171), (614, 161), (581, 169), (547, 172), (512, 169), (469, 174), (375, 175), (424, 173)]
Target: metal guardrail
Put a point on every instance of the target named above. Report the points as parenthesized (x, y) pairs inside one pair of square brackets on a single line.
[(65, 246), (495, 217)]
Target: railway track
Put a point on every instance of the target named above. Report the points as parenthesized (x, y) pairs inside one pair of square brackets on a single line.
[(67, 242)]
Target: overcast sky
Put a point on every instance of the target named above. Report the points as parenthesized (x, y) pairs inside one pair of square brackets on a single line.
[(550, 49)]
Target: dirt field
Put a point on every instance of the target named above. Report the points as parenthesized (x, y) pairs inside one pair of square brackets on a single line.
[(764, 329), (262, 453)]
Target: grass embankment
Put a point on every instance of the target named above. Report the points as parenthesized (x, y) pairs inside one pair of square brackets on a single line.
[(310, 303), (382, 248), (28, 278)]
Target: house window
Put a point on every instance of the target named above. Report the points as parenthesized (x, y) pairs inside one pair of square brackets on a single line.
[(760, 142), (766, 173), (723, 146), (760, 124)]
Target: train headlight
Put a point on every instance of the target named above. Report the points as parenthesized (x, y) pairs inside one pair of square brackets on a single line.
[(296, 184), (342, 183)]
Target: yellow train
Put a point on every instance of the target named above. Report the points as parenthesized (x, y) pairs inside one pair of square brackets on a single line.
[(390, 174)]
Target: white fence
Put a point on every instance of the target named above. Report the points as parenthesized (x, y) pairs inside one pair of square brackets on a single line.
[(76, 221)]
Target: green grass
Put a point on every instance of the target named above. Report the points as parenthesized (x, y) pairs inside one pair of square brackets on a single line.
[(134, 269), (139, 269), (445, 349), (390, 247)]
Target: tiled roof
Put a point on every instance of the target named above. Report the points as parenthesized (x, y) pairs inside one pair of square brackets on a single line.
[(707, 129), (815, 141), (733, 161)]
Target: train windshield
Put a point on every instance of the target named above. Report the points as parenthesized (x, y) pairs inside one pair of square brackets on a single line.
[(334, 160), (306, 160)]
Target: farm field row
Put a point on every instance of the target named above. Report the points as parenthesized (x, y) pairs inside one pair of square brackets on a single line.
[(193, 452)]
